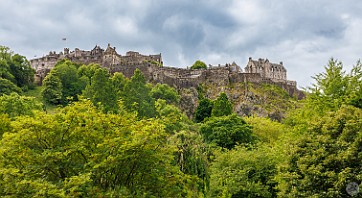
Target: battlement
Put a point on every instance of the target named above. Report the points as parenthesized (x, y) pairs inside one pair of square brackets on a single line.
[(256, 71)]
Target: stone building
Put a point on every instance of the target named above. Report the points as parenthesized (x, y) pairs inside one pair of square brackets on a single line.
[(266, 69), (107, 58), (256, 71)]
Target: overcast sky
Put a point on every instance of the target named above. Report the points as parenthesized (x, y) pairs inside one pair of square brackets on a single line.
[(304, 34)]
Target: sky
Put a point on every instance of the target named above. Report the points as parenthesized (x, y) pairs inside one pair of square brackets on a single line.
[(304, 34)]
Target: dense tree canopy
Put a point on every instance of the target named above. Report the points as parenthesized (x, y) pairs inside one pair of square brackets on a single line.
[(137, 96), (71, 86), (101, 91), (15, 70), (128, 138), (226, 131)]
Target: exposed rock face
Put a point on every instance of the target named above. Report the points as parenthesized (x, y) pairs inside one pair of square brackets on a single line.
[(227, 78)]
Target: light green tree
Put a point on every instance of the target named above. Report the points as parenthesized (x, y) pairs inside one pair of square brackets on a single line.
[(165, 92), (199, 65), (15, 105)]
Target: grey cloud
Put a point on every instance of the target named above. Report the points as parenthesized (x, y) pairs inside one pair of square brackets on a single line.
[(304, 34)]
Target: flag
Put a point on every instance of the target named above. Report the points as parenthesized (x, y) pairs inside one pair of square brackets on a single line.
[(64, 39)]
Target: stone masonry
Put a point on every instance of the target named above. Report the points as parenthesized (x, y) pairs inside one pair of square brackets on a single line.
[(256, 71)]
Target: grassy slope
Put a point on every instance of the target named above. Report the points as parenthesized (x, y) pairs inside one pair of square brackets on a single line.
[(36, 93)]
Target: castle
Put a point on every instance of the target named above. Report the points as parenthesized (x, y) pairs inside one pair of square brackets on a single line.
[(256, 71)]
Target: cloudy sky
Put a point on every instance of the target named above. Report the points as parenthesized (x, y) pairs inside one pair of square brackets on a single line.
[(304, 34)]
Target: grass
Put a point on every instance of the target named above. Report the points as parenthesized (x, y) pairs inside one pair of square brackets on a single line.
[(36, 93)]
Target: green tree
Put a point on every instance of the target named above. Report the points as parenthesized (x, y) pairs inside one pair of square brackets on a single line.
[(7, 87), (199, 65), (88, 71), (222, 106), (226, 131), (137, 96), (102, 92), (82, 152), (119, 81), (203, 110), (4, 124), (165, 92), (327, 156), (71, 84), (22, 71), (52, 92), (15, 105), (243, 172), (16, 68)]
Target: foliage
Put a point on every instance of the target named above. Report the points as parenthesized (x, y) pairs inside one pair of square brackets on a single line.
[(101, 91), (242, 172), (222, 106), (119, 81), (199, 65), (203, 110), (71, 84), (165, 92), (15, 105), (226, 131), (171, 116), (265, 129), (22, 71), (81, 152), (137, 96), (328, 158), (7, 87), (52, 92), (192, 157), (4, 124), (16, 69), (88, 71)]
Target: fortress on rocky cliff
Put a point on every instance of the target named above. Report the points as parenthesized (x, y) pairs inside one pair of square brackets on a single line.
[(255, 71)]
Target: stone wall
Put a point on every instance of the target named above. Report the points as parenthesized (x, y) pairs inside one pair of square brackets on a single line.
[(256, 71)]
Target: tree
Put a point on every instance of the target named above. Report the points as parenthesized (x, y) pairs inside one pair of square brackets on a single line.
[(243, 172), (137, 96), (204, 109), (327, 156), (52, 92), (22, 71), (16, 68), (226, 131), (71, 84), (222, 106), (15, 105), (119, 81), (88, 71), (165, 92), (101, 91), (7, 87), (199, 65), (82, 152)]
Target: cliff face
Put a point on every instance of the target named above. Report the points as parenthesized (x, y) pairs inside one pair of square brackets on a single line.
[(264, 100)]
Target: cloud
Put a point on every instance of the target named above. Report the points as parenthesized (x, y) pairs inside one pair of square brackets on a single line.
[(303, 34)]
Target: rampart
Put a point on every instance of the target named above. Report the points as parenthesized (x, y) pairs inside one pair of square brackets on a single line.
[(260, 71)]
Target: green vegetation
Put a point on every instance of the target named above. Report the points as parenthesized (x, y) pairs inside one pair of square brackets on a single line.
[(118, 137), (199, 65)]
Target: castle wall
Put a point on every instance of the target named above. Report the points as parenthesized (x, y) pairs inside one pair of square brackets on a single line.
[(256, 71)]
